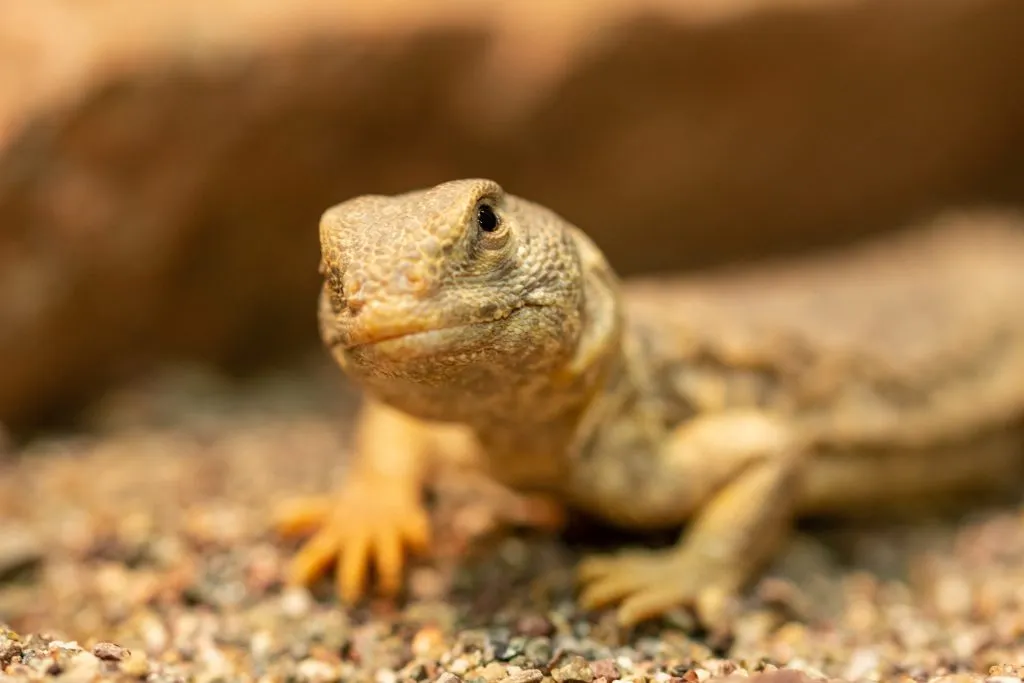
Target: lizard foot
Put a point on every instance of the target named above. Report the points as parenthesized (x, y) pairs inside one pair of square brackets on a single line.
[(486, 499), (649, 583), (538, 512), (354, 528)]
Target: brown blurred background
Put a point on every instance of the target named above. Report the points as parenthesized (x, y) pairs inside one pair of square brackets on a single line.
[(163, 165)]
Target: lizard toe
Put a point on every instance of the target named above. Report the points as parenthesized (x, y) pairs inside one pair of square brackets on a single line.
[(646, 585), (313, 558), (614, 578), (596, 567), (356, 532), (301, 516), (536, 511), (354, 551)]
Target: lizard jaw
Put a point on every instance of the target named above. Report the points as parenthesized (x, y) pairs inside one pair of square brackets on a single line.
[(417, 342), (421, 340)]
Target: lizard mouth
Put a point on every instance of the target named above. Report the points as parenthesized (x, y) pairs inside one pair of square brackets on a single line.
[(418, 342), (427, 341), (408, 341), (434, 338)]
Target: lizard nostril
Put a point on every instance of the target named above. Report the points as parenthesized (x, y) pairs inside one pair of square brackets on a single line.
[(354, 296), (355, 304), (340, 301)]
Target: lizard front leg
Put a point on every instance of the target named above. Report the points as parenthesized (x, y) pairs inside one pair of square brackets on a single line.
[(735, 474), (378, 514)]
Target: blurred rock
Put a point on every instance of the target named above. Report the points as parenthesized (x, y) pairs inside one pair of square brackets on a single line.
[(19, 549), (163, 166)]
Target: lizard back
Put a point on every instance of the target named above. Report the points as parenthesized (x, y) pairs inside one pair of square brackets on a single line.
[(916, 337)]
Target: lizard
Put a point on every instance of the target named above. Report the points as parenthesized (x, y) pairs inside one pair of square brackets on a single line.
[(487, 329)]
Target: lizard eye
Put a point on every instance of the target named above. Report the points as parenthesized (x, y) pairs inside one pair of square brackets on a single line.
[(486, 219), (492, 232)]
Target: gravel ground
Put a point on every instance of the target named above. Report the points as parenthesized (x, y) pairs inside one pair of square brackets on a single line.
[(139, 549)]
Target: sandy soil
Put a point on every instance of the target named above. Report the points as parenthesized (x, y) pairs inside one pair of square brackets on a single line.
[(139, 549)]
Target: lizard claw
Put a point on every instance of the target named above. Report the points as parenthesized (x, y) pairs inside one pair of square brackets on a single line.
[(354, 529), (649, 583)]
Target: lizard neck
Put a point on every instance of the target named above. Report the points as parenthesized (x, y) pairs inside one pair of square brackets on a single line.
[(544, 414)]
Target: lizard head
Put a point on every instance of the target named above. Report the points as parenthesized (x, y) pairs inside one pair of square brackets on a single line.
[(457, 287)]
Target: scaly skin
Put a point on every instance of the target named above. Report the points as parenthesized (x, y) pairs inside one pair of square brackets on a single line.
[(487, 329)]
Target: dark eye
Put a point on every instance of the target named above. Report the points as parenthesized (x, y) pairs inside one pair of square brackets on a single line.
[(486, 219)]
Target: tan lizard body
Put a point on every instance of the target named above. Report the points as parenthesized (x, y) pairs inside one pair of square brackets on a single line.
[(486, 328)]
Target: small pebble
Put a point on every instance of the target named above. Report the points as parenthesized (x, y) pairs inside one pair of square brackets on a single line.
[(526, 676), (109, 652), (427, 640), (577, 670), (135, 665), (605, 668), (534, 625), (315, 671)]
